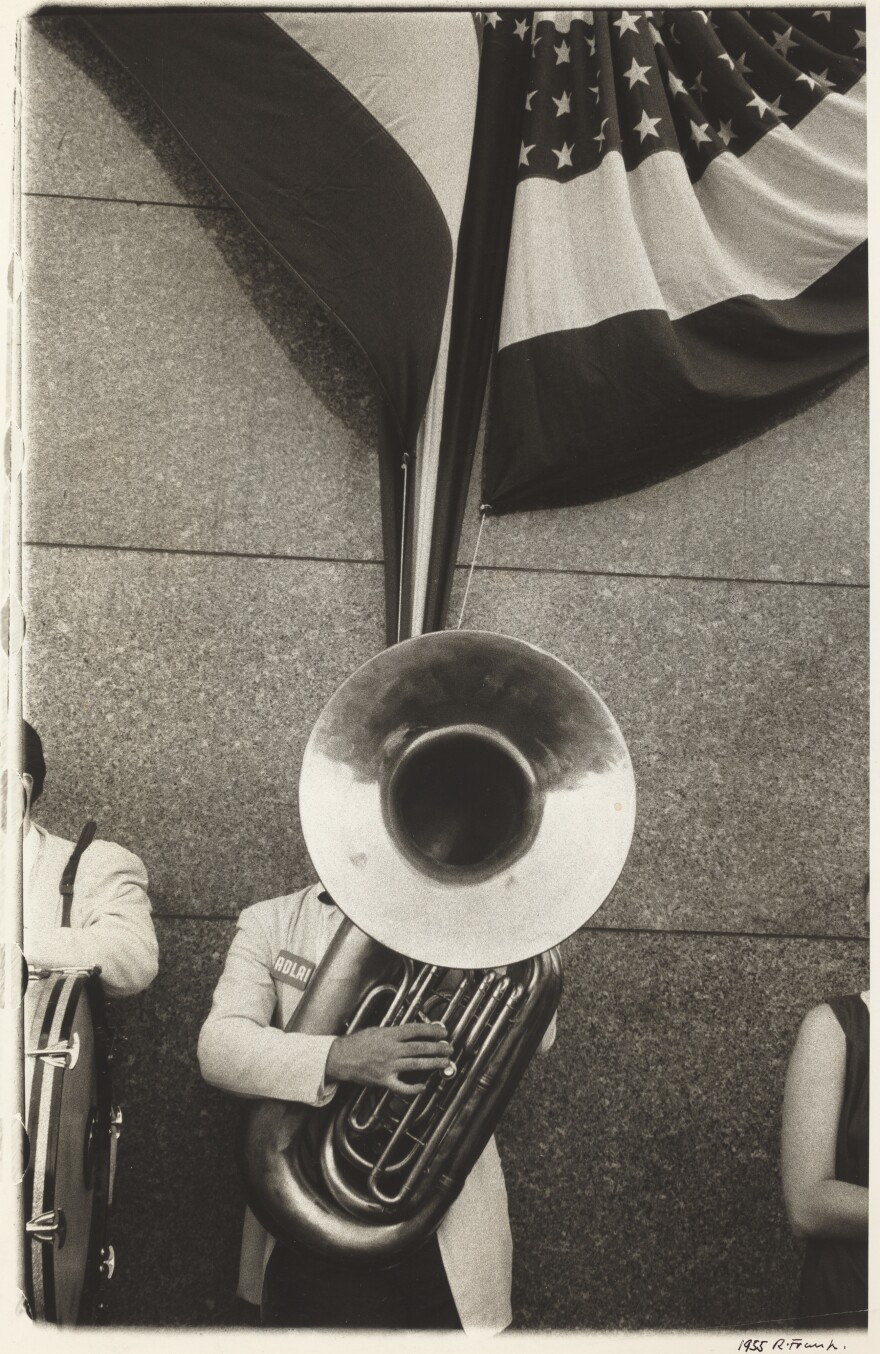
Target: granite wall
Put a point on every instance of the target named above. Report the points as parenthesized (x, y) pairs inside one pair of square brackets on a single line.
[(203, 569)]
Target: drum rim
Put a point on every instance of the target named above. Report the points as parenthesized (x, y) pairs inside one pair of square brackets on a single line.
[(89, 988)]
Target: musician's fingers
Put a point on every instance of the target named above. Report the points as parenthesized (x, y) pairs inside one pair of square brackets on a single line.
[(428, 1064), (439, 1051), (394, 1083), (417, 1031)]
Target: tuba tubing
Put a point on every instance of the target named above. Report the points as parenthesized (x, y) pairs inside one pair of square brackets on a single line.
[(469, 801), (296, 1188)]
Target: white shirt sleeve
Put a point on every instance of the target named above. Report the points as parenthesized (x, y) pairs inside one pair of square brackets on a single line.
[(111, 926), (239, 1050)]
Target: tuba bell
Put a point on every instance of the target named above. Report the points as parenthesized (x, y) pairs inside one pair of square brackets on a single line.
[(468, 801)]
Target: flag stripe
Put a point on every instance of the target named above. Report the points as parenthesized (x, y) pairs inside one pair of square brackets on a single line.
[(700, 384), (767, 224)]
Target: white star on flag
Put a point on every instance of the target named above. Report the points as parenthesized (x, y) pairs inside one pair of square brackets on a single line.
[(626, 23), (524, 153), (725, 56), (601, 137), (726, 133), (594, 89), (783, 41), (860, 38), (776, 105), (563, 53), (521, 28), (698, 87), (563, 105), (591, 43), (656, 38), (529, 98), (699, 134), (741, 67), (637, 72), (760, 104), (822, 80), (675, 84), (646, 126), (822, 14), (564, 155), (492, 19)]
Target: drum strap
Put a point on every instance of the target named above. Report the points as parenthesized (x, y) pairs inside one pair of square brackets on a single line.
[(86, 838)]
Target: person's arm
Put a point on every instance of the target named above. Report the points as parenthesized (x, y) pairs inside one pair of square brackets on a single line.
[(818, 1205), (112, 923), (241, 1052)]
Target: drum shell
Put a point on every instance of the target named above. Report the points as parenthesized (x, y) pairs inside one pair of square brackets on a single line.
[(69, 1132)]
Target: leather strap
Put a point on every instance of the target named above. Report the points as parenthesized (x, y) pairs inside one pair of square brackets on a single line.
[(86, 838)]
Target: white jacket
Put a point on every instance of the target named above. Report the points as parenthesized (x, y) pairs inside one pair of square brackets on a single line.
[(274, 950), (110, 921)]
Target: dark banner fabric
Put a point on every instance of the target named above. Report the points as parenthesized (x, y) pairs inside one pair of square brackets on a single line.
[(687, 260), (313, 171), (333, 134)]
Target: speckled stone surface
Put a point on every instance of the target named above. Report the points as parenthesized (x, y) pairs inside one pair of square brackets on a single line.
[(175, 695), (207, 674), (791, 504), (178, 1203), (179, 392), (744, 707), (642, 1153), (89, 130)]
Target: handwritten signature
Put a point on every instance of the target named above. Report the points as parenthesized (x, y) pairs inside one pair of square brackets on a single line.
[(784, 1344)]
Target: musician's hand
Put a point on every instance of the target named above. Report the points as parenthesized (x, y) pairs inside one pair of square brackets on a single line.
[(377, 1057)]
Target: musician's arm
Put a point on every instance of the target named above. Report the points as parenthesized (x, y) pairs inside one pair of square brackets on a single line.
[(112, 923), (239, 1050), (818, 1205)]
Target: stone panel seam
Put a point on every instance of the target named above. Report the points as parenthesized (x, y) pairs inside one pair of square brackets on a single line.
[(480, 568), (600, 930), (198, 554), (672, 578)]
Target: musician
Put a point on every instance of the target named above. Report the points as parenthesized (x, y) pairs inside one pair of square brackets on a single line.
[(109, 913), (461, 1277)]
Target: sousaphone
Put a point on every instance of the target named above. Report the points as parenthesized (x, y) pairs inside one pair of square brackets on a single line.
[(468, 801)]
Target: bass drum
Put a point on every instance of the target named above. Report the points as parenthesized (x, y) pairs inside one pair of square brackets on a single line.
[(71, 1130)]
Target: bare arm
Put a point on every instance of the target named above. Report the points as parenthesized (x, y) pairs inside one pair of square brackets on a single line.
[(818, 1205)]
